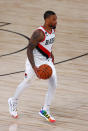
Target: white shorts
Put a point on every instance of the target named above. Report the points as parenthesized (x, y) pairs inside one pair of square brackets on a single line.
[(29, 72)]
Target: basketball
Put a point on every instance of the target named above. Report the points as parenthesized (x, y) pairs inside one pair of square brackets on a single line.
[(45, 71)]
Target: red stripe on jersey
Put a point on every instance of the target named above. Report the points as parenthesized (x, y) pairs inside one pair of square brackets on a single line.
[(44, 50), (46, 30)]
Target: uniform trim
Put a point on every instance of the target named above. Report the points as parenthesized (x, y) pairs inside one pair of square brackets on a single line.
[(46, 30), (43, 50), (40, 47)]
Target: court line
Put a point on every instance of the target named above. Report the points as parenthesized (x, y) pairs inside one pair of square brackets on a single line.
[(71, 58), (26, 48), (4, 24), (55, 64), (17, 50)]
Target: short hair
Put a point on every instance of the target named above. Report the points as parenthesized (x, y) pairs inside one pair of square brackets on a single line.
[(48, 13)]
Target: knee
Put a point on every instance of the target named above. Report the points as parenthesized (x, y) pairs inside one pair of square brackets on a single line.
[(54, 78), (53, 81), (26, 82)]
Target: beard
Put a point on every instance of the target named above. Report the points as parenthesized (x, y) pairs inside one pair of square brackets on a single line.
[(53, 26)]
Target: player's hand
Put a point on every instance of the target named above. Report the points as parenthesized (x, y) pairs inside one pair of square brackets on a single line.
[(36, 70)]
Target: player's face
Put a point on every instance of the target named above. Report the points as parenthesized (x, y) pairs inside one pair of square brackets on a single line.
[(53, 21)]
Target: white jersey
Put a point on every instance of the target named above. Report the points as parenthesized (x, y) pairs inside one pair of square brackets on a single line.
[(42, 54), (44, 48)]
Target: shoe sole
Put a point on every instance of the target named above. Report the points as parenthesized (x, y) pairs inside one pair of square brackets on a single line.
[(14, 116), (46, 118)]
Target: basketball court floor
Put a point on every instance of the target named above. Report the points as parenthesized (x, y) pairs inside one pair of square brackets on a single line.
[(18, 19)]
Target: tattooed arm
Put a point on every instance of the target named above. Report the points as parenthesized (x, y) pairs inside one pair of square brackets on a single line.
[(36, 37)]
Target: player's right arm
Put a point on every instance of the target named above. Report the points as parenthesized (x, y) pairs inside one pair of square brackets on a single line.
[(36, 37)]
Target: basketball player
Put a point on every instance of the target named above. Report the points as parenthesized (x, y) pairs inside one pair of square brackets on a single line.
[(39, 52)]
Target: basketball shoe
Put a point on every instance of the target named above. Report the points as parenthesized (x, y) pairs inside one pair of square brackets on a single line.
[(13, 107), (46, 115)]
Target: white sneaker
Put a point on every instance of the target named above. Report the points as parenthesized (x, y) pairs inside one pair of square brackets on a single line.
[(13, 107)]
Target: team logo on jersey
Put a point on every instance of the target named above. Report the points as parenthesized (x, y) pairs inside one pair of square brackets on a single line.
[(50, 41)]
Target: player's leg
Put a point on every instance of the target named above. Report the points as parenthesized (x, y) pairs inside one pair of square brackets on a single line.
[(45, 111), (51, 91), (29, 74), (21, 87)]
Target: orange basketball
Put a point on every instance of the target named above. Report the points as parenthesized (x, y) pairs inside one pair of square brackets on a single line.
[(45, 71)]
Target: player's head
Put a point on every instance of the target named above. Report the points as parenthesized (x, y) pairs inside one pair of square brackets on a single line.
[(50, 18)]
